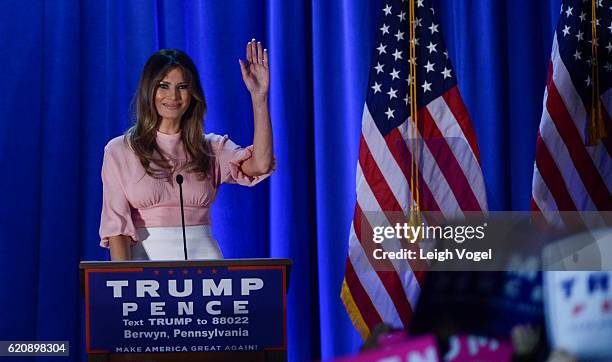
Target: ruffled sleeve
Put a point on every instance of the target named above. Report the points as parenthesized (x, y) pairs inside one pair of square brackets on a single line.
[(230, 157), (116, 218)]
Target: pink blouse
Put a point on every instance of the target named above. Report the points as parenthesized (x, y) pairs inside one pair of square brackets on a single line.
[(133, 199)]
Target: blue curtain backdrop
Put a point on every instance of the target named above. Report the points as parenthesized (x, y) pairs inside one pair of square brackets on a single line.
[(70, 69)]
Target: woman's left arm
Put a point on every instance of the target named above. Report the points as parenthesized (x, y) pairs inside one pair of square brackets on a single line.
[(256, 77)]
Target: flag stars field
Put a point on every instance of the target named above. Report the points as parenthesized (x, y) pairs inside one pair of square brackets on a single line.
[(435, 67)]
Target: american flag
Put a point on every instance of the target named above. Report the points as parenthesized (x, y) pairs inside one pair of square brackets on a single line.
[(449, 176), (569, 174)]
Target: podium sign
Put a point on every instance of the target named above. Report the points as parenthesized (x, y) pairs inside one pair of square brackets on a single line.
[(187, 306)]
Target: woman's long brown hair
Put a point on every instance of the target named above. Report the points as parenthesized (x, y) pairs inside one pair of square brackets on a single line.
[(142, 136)]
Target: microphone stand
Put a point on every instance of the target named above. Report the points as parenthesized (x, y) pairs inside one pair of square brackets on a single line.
[(179, 181)]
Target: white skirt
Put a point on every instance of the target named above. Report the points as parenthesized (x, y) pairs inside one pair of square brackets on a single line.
[(166, 243)]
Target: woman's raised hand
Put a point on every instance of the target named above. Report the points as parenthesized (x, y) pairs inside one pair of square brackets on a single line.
[(255, 71)]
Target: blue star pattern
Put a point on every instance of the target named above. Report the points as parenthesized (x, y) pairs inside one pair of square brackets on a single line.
[(574, 35), (388, 91)]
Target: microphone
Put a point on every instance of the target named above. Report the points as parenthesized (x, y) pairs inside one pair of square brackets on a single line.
[(179, 181)]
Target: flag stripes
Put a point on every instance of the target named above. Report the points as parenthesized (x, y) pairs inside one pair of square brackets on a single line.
[(444, 144), (568, 174)]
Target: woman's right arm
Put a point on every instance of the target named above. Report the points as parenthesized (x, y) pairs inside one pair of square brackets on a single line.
[(119, 247), (117, 230)]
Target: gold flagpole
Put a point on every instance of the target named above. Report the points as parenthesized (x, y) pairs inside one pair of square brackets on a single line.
[(414, 166), (597, 125)]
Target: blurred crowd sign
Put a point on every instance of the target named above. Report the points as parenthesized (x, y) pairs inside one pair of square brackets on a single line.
[(419, 349), (469, 348), (578, 307), (481, 303)]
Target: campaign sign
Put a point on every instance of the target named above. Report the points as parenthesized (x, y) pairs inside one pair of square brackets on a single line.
[(469, 348), (579, 313), (185, 309), (416, 349)]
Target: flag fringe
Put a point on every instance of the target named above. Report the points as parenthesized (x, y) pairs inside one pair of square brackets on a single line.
[(353, 311), (597, 126)]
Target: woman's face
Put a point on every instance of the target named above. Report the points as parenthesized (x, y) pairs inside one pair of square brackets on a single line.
[(172, 96)]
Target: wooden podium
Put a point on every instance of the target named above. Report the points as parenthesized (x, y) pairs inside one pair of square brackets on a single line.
[(213, 310)]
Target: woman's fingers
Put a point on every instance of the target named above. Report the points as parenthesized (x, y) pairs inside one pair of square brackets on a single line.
[(254, 51), (259, 53), (265, 57), (255, 54), (248, 53)]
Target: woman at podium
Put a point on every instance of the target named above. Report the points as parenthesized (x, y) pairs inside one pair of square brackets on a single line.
[(141, 215)]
